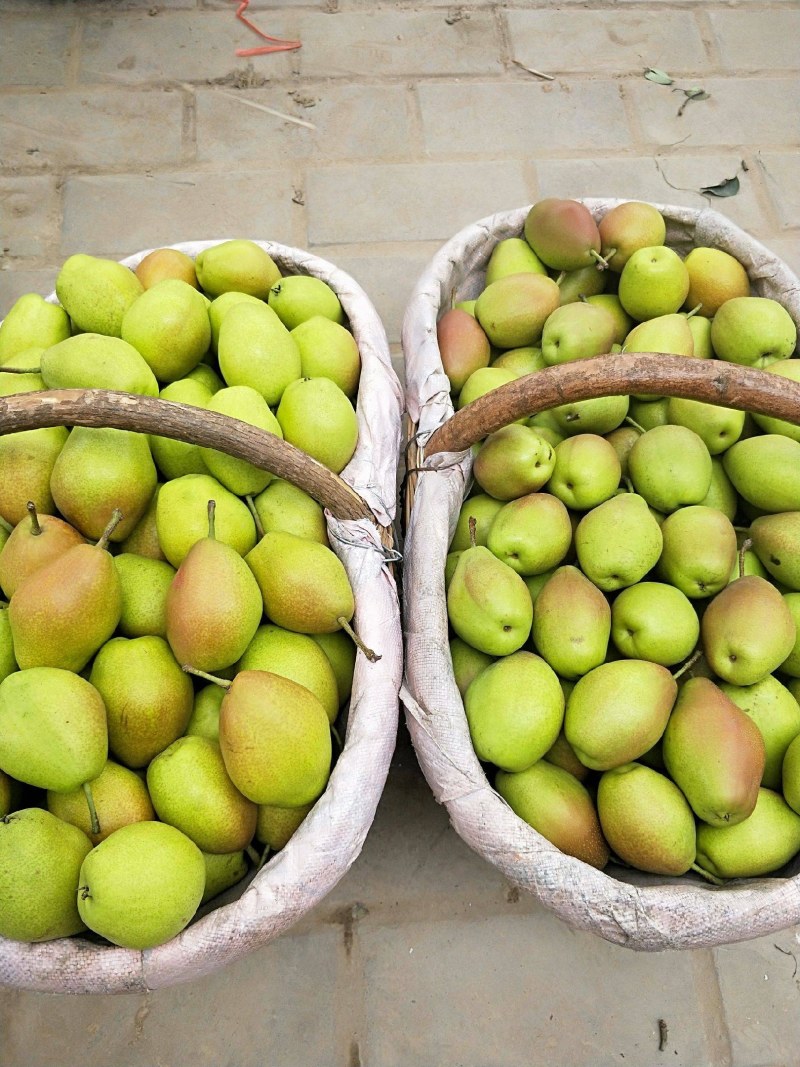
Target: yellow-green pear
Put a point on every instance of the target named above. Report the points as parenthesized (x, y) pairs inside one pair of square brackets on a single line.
[(220, 306), (626, 228), (766, 471), (790, 775), (482, 381), (34, 542), (521, 361), (204, 720), (700, 330), (222, 871), (245, 404), (340, 649), (94, 361), (120, 797), (514, 309), (776, 713), (791, 665), (721, 495), (760, 844), (468, 663), (512, 255), (618, 542), (295, 656), (276, 826), (175, 458), (531, 534), (600, 415), (298, 297), (578, 285), (562, 754), (143, 538), (144, 584), (571, 623), (753, 331), (623, 323), (665, 333), (622, 441), (513, 462), (316, 416), (776, 541), (27, 459), (488, 603), (483, 509), (786, 368), (96, 293), (31, 322), (717, 427), (648, 414), (587, 471), (282, 506), (714, 278), (205, 375), (8, 663), (168, 324), (656, 622), (328, 350), (699, 551), (576, 331), (747, 631), (28, 360), (256, 349), (670, 467), (653, 282), (239, 265), (182, 516)]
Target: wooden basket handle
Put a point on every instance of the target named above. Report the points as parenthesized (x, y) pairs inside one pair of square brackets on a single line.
[(709, 380), (146, 414)]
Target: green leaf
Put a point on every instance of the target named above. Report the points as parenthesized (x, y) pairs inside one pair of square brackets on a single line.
[(728, 187), (660, 77)]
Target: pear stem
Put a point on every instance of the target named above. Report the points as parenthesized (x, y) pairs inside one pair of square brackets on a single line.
[(212, 507), (694, 311), (116, 519), (256, 517), (709, 877), (695, 656), (36, 529), (561, 278), (602, 264), (634, 424), (87, 790), (254, 855), (6, 525), (609, 255), (473, 532), (208, 677), (373, 657), (747, 543), (335, 733), (629, 485), (263, 858)]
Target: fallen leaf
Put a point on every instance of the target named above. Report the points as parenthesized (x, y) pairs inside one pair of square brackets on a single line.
[(728, 187), (660, 77)]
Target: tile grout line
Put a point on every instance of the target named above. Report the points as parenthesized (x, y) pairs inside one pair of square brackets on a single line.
[(712, 1008)]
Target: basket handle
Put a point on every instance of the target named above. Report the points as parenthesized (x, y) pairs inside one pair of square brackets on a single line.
[(708, 380), (146, 414)]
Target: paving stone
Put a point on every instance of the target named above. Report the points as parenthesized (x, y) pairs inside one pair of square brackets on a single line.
[(760, 983), (788, 248), (782, 178), (15, 283), (34, 51), (349, 124), (183, 206), (580, 40), (757, 39), (740, 111), (407, 201), (77, 129), (520, 119), (30, 214)]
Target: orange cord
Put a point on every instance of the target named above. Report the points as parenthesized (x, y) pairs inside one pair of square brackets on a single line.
[(277, 43)]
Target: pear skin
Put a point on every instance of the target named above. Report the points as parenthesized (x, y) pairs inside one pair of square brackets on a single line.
[(747, 631), (699, 551), (766, 471), (488, 604), (34, 542), (463, 346), (93, 361), (96, 293), (531, 534), (571, 623), (31, 322), (27, 460), (776, 541), (618, 542), (776, 713), (513, 310), (626, 228), (563, 234), (760, 844), (120, 797)]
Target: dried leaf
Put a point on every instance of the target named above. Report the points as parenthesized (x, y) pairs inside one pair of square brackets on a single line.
[(660, 77), (697, 94), (729, 187)]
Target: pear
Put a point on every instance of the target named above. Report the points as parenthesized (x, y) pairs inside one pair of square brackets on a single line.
[(463, 346), (655, 622), (563, 234), (576, 331), (466, 305), (163, 263), (488, 604), (191, 791), (747, 631), (714, 753), (766, 471), (571, 623), (28, 361), (618, 711), (700, 330), (714, 277), (482, 381), (776, 713), (316, 416), (68, 608), (512, 255), (182, 517), (142, 885), (96, 293), (786, 368), (557, 806), (276, 826), (622, 441), (578, 285), (664, 333), (8, 663), (241, 266), (515, 710), (562, 754), (717, 427), (791, 665), (341, 652), (776, 541), (753, 331), (521, 361), (204, 720), (282, 506), (468, 663), (514, 309), (101, 469), (670, 467), (600, 415), (721, 495), (623, 323), (304, 585), (172, 457), (513, 461), (218, 309), (483, 509), (646, 820), (587, 471), (531, 534), (245, 404), (790, 775), (93, 361), (34, 542), (143, 538), (40, 863), (168, 324), (618, 542), (256, 349), (120, 797), (27, 459), (222, 872), (31, 322), (760, 844), (144, 584), (294, 656), (328, 350), (647, 414), (699, 551), (653, 282), (300, 297), (626, 228)]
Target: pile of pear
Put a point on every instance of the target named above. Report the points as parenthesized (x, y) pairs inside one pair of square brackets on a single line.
[(175, 644), (623, 581)]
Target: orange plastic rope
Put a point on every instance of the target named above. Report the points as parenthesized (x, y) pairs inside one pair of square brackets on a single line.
[(277, 44)]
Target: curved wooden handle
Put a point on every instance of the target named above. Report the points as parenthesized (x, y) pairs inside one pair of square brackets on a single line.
[(146, 414), (709, 380)]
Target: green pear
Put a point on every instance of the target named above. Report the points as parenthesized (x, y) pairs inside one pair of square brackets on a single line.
[(700, 330), (514, 309), (626, 228), (463, 346), (747, 562), (776, 541), (483, 381), (646, 820), (295, 656), (717, 427), (163, 263), (143, 538), (100, 469), (618, 542), (300, 297), (714, 753), (96, 293), (27, 459), (175, 458), (488, 604), (785, 368), (521, 361), (120, 797), (513, 462), (256, 349), (747, 631), (144, 583), (647, 414), (182, 516), (618, 711), (600, 416), (515, 709), (622, 441), (340, 649), (699, 551), (34, 542), (222, 872), (714, 278), (536, 583), (191, 791), (282, 506), (148, 698), (94, 361), (239, 266), (40, 863), (466, 305), (483, 509), (468, 663), (776, 713), (653, 282), (512, 255), (664, 333), (578, 285), (245, 404), (204, 720), (304, 585), (8, 663), (576, 331), (721, 495), (587, 471), (623, 323), (557, 806), (571, 623), (276, 826), (753, 331), (328, 350), (791, 665), (142, 885), (563, 234), (655, 622), (32, 322), (29, 361), (316, 416), (670, 467), (531, 534), (218, 309), (790, 775), (168, 324), (562, 754), (766, 471), (760, 844)]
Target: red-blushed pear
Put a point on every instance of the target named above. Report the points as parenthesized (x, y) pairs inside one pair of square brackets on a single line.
[(120, 797), (32, 543), (295, 656), (776, 541), (163, 263), (563, 234), (463, 346), (628, 227), (562, 754)]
